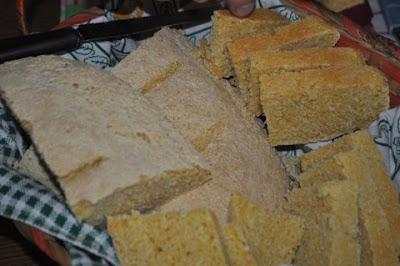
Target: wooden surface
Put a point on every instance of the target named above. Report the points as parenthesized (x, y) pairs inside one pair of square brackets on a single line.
[(16, 250)]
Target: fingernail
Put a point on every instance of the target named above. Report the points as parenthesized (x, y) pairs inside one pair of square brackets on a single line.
[(244, 10)]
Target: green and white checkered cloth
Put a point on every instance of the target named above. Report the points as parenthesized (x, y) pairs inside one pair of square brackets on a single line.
[(24, 199)]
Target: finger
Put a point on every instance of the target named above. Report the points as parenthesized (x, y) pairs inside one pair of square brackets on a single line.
[(200, 1), (241, 8)]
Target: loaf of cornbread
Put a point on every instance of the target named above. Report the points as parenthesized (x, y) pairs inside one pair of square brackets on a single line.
[(366, 148), (320, 104), (226, 27), (106, 144), (340, 5), (273, 235), (331, 233), (167, 239), (377, 239), (309, 32), (202, 110), (270, 62), (236, 246)]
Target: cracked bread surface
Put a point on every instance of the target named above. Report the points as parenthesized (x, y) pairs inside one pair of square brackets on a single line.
[(98, 137), (205, 113)]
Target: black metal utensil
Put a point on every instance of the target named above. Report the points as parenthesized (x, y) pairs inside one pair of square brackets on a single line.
[(68, 39)]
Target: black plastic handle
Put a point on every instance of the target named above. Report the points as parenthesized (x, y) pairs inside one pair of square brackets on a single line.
[(51, 42)]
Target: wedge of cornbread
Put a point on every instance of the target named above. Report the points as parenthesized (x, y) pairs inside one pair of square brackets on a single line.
[(377, 239), (331, 233), (236, 246), (204, 112), (320, 104), (273, 235), (384, 188), (226, 27), (309, 32), (270, 62), (167, 239), (340, 5), (107, 146)]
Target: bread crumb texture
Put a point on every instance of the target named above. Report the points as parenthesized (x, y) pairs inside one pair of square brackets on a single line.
[(273, 235), (321, 104), (167, 239)]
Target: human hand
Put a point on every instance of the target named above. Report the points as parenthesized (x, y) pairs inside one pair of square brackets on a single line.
[(239, 8)]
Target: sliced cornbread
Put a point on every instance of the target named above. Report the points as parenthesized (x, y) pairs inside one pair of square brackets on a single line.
[(227, 27), (309, 32), (106, 144), (204, 113), (377, 240), (320, 104), (363, 143), (239, 52), (236, 246), (331, 214), (269, 62), (360, 140), (273, 235), (167, 239), (340, 5)]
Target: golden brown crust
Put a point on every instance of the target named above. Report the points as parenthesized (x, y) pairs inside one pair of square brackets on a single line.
[(384, 188), (270, 62), (89, 130), (167, 239), (309, 32), (331, 234), (236, 245), (204, 112), (227, 27), (321, 104), (273, 235)]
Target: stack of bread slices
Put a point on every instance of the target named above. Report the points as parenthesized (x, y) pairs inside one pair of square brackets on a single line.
[(167, 155)]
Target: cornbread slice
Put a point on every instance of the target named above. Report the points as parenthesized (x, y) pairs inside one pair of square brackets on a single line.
[(269, 62), (309, 32), (340, 5), (273, 235), (227, 27), (360, 140), (331, 214), (377, 239), (203, 111), (167, 239), (384, 187), (236, 246), (106, 144), (321, 104)]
